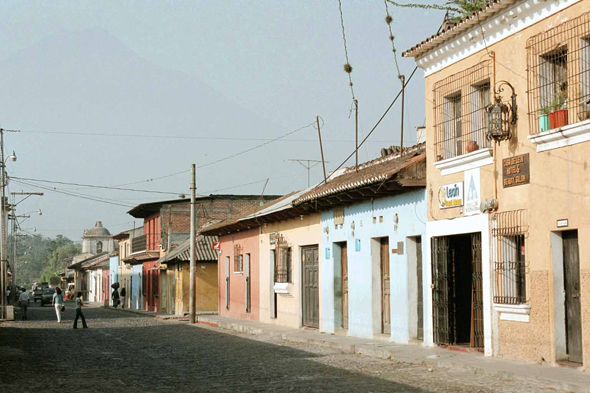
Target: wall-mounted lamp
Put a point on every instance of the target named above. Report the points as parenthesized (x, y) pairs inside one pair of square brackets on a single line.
[(501, 116)]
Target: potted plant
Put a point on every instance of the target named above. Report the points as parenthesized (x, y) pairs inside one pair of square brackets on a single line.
[(584, 113), (544, 119), (558, 114), (472, 146)]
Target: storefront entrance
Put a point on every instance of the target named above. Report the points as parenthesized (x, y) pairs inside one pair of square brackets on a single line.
[(457, 294)]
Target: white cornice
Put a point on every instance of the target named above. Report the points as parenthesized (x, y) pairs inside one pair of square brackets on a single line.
[(497, 28), (563, 136), (476, 159)]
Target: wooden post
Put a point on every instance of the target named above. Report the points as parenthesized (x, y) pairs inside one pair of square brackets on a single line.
[(191, 304)]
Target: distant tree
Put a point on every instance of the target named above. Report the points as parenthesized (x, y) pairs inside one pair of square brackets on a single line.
[(40, 258), (54, 281)]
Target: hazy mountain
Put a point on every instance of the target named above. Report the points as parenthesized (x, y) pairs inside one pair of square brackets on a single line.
[(91, 82)]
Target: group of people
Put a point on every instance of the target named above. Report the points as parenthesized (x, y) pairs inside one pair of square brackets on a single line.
[(57, 302), (118, 298)]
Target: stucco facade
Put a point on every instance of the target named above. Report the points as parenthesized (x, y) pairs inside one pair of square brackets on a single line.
[(550, 204), (232, 300), (400, 219), (298, 233)]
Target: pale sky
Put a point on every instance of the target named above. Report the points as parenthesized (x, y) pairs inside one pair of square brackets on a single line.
[(168, 69)]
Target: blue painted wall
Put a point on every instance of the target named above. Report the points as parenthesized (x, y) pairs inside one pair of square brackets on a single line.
[(364, 224), (114, 269), (136, 280)]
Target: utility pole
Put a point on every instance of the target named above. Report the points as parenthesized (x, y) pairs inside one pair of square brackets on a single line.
[(403, 80), (14, 217), (317, 119), (302, 161), (356, 134), (3, 224), (191, 304)]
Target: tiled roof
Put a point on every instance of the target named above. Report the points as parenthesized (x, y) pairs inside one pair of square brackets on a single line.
[(88, 261), (142, 256), (491, 8), (282, 207), (372, 172), (204, 251)]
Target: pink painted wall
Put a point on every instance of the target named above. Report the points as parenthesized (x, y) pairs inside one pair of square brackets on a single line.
[(250, 244)]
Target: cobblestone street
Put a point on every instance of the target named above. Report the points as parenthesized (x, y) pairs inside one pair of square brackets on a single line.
[(124, 352)]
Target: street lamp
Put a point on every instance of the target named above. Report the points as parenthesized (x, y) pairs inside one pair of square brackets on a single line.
[(12, 157)]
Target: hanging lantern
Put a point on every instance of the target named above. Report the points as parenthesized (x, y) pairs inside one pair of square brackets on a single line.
[(501, 116)]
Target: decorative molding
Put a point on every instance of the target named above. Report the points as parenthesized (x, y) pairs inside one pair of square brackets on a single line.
[(476, 159), (509, 22), (513, 312), (560, 137), (282, 288)]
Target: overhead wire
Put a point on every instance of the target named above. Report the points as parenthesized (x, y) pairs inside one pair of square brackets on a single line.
[(77, 195), (219, 160), (95, 186), (347, 66), (376, 125)]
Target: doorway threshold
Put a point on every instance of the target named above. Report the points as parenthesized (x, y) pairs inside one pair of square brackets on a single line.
[(569, 364), (464, 349)]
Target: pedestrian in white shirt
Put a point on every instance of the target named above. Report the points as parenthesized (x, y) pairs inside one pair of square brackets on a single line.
[(58, 303), (23, 302)]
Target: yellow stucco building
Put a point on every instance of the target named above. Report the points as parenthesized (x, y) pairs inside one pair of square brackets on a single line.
[(508, 141)]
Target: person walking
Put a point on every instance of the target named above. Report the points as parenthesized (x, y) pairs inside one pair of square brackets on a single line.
[(115, 298), (23, 302), (79, 304), (58, 303), (123, 295)]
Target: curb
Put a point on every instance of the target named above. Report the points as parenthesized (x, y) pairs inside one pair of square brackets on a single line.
[(390, 354)]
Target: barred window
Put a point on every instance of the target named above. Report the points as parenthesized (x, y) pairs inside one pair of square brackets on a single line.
[(238, 263), (459, 111), (283, 266), (509, 251), (558, 64)]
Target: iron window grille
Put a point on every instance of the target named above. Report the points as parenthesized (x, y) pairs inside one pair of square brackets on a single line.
[(283, 262), (558, 71), (460, 119), (238, 259), (509, 231)]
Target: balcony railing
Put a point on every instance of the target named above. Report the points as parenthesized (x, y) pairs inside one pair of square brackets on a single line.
[(138, 243)]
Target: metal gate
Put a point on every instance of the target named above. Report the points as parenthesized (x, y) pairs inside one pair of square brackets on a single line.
[(477, 336), (444, 292), (440, 291), (310, 298)]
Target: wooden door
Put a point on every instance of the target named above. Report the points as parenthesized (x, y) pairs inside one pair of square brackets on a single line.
[(571, 262), (311, 298), (344, 270), (227, 262), (247, 283), (186, 287), (420, 297), (385, 288)]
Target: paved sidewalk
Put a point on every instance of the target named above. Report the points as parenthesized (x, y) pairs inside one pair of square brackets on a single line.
[(159, 315), (560, 378)]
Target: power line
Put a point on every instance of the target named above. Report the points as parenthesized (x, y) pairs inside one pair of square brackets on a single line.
[(347, 66), (143, 136), (82, 196), (219, 160), (378, 122), (95, 186)]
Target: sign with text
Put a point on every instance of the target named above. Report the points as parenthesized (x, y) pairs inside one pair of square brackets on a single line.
[(516, 170), (472, 192), (450, 195)]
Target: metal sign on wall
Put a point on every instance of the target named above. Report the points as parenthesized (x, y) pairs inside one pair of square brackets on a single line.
[(450, 195), (516, 170)]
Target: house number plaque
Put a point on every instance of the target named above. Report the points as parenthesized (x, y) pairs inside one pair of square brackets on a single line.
[(516, 171)]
